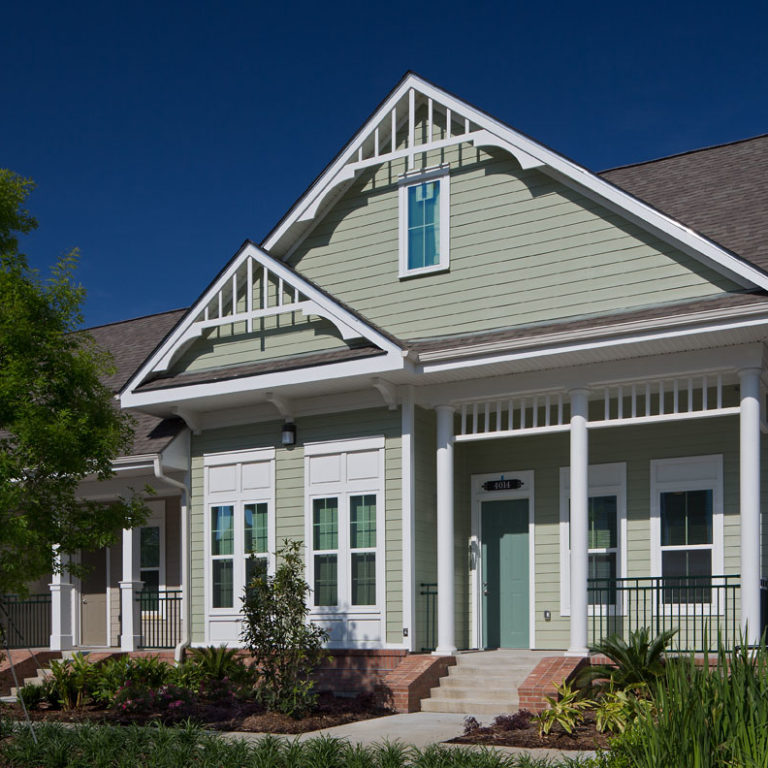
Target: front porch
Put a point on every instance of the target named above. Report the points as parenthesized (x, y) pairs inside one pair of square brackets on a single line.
[(623, 504)]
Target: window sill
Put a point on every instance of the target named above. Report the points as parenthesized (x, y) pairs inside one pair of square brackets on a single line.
[(405, 275)]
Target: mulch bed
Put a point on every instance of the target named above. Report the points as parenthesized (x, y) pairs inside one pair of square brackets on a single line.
[(229, 716), (520, 731)]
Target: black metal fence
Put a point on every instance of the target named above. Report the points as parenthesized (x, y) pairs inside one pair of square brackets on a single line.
[(428, 592), (160, 618), (26, 623), (703, 609)]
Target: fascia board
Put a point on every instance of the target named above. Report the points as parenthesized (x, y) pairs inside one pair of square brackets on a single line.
[(249, 250), (393, 361), (553, 351), (550, 162)]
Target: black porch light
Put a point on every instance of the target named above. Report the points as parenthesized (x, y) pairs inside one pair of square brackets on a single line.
[(289, 434)]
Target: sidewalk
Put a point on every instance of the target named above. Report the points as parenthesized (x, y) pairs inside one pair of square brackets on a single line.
[(418, 729)]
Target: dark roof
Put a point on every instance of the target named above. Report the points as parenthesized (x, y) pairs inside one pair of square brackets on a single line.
[(535, 332), (266, 366), (721, 192), (130, 342)]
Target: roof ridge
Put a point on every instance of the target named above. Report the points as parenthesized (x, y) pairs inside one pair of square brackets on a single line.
[(134, 319), (683, 154)]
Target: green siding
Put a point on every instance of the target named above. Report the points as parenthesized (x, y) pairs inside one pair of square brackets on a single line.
[(636, 446), (291, 334), (524, 249), (289, 493)]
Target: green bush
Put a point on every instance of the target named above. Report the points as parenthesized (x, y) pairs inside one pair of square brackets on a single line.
[(566, 709), (32, 694), (74, 680), (703, 718), (113, 674), (286, 649), (219, 663)]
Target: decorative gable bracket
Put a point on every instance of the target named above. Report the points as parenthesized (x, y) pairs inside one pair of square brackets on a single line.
[(252, 288)]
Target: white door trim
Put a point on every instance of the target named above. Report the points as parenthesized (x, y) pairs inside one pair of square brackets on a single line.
[(476, 598)]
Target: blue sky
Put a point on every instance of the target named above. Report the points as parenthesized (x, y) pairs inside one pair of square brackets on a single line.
[(161, 135)]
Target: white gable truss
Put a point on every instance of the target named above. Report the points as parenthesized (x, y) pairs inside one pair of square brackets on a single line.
[(252, 287), (391, 134)]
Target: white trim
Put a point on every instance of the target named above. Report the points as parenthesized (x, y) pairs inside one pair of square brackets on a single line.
[(321, 447), (318, 303), (343, 489), (691, 473), (604, 480), (476, 565), (443, 176), (229, 457)]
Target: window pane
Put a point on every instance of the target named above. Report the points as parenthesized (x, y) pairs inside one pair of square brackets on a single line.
[(325, 523), (255, 566), (362, 521), (364, 578), (687, 576), (326, 589), (431, 246), (255, 528), (603, 568), (222, 584), (150, 600), (686, 518), (150, 546), (602, 522), (222, 530), (416, 248), (432, 203), (415, 206)]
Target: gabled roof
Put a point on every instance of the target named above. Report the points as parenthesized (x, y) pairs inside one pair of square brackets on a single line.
[(373, 144), (720, 191), (225, 302)]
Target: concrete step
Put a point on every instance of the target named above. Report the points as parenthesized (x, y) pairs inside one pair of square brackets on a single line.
[(467, 691), (483, 678), (469, 706)]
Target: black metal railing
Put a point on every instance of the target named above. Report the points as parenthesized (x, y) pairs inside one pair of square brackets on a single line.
[(26, 623), (703, 609), (429, 593), (160, 618)]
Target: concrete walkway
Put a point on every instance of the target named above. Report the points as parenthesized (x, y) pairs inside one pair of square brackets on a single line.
[(418, 729)]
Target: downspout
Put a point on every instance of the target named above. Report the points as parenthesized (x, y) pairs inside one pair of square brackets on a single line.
[(178, 651)]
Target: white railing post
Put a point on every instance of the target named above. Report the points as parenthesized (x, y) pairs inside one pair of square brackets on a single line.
[(579, 521), (446, 642), (749, 494), (130, 586)]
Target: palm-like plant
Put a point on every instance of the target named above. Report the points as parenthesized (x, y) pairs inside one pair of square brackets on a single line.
[(219, 662), (637, 661)]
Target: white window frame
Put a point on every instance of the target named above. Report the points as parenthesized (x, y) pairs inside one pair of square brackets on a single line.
[(237, 499), (442, 175), (692, 473), (344, 490), (604, 480)]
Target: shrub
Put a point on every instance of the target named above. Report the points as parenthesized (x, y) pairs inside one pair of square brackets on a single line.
[(566, 709), (134, 698), (33, 695), (74, 680), (517, 722), (285, 647), (638, 661), (220, 662), (113, 674)]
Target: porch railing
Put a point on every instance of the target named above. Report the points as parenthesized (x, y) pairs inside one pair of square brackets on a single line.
[(160, 618), (428, 592), (26, 623), (703, 609)]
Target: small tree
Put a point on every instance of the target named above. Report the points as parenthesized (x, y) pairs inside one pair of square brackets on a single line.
[(284, 645)]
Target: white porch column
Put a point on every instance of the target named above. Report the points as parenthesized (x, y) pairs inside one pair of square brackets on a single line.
[(130, 610), (579, 521), (749, 494), (446, 633), (62, 595)]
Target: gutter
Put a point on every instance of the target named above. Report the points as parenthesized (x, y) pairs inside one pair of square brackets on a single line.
[(178, 651)]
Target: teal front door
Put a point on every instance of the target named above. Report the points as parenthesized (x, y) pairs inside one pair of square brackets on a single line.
[(504, 531)]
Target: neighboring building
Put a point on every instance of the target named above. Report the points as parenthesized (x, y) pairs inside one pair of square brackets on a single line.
[(460, 365)]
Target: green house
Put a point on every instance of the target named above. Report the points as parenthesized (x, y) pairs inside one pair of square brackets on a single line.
[(503, 401)]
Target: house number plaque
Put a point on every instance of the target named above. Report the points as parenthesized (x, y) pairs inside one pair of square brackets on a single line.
[(503, 485)]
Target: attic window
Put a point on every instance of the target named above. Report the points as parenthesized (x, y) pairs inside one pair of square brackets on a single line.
[(424, 228)]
